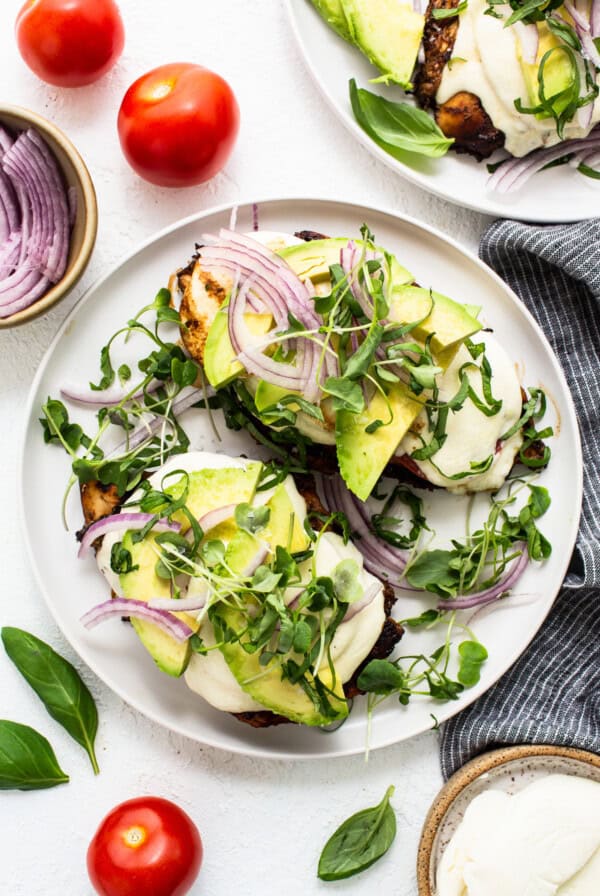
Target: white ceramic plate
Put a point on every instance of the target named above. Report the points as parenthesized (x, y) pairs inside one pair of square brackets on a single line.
[(557, 195), (71, 586)]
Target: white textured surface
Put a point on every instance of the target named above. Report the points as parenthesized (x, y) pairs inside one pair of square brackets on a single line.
[(263, 823)]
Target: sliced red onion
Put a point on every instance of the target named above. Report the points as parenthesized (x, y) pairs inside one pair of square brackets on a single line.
[(178, 605), (595, 18), (106, 397), (514, 173), (119, 522), (34, 202), (584, 33), (252, 565), (215, 517), (138, 610), (495, 591), (186, 399), (382, 560), (365, 601), (529, 39)]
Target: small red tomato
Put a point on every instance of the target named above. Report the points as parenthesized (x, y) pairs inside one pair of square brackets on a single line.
[(145, 847), (70, 43), (178, 124)]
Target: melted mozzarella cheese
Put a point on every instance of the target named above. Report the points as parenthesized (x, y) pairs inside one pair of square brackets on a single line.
[(492, 71), (470, 435), (544, 841), (210, 676)]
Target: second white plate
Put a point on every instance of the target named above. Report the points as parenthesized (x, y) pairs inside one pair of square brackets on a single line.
[(557, 195)]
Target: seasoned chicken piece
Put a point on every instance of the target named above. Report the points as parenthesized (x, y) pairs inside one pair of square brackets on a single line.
[(462, 116), (438, 43), (98, 501), (203, 295)]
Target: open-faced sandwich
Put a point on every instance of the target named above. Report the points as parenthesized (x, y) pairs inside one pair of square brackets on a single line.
[(270, 583), (268, 612), (331, 345), (518, 76)]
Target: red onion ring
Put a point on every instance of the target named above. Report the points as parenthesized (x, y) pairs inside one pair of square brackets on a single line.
[(118, 522), (214, 518), (515, 172), (106, 397), (495, 591), (365, 601), (118, 606)]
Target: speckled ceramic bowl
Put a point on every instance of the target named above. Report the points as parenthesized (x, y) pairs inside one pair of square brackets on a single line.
[(508, 769), (83, 234)]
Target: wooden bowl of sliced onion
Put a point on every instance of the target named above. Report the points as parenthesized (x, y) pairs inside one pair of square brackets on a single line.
[(48, 215)]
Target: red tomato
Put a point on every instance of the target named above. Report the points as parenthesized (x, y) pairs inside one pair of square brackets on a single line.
[(178, 124), (70, 42), (145, 847)]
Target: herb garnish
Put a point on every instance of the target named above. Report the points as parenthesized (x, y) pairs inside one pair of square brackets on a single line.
[(359, 842), (27, 761), (561, 105), (58, 684), (156, 442), (398, 128)]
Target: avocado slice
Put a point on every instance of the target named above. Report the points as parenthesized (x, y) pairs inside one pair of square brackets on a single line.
[(448, 322), (312, 260), (362, 456), (558, 71), (279, 529), (265, 684), (389, 34), (208, 489), (170, 655), (220, 364), (267, 395), (333, 13)]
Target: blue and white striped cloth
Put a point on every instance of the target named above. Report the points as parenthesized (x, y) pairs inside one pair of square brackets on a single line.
[(552, 693)]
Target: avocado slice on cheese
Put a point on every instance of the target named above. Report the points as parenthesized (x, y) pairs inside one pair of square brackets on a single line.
[(208, 490), (266, 684), (362, 456), (220, 364), (312, 260)]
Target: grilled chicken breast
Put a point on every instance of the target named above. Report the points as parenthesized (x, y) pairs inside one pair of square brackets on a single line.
[(462, 116)]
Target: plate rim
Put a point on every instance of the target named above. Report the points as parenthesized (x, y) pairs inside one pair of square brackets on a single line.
[(468, 773), (413, 176), (81, 651)]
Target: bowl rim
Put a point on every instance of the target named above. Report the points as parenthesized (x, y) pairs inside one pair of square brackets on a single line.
[(468, 773), (61, 289)]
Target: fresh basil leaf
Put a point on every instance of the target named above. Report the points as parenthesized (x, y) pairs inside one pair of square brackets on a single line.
[(397, 127), (27, 761), (359, 842), (58, 685)]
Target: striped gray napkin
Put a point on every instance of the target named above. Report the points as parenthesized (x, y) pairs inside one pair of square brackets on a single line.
[(552, 693)]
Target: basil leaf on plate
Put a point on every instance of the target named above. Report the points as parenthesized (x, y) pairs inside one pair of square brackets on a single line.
[(359, 841), (27, 761), (58, 685), (397, 127)]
